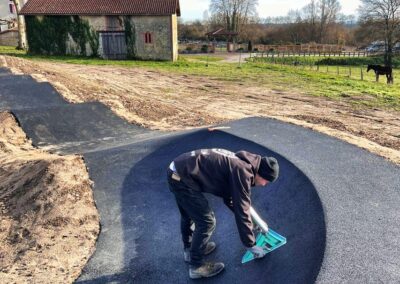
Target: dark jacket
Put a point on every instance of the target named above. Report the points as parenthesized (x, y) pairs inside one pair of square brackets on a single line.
[(225, 174)]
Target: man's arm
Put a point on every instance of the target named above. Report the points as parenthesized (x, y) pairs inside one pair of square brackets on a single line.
[(241, 183)]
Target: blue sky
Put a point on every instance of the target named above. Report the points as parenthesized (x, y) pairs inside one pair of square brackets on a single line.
[(194, 9)]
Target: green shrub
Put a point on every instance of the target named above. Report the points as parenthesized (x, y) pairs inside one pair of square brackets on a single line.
[(130, 37)]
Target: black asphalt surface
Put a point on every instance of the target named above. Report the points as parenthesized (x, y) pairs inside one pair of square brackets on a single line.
[(23, 92), (144, 219), (78, 128), (336, 204)]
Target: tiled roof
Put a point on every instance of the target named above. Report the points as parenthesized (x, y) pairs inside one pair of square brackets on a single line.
[(101, 7)]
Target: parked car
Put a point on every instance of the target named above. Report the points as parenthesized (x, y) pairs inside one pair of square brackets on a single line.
[(396, 47), (376, 46)]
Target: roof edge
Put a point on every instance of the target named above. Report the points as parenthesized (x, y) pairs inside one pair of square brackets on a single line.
[(94, 14)]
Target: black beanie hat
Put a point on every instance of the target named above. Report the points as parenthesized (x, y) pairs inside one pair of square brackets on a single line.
[(269, 169)]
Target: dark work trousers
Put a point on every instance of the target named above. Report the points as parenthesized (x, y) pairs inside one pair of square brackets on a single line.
[(194, 208)]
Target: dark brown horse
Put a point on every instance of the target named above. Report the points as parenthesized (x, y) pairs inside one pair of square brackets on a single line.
[(382, 70)]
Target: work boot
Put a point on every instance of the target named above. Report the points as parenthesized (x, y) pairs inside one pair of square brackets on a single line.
[(208, 269), (210, 247)]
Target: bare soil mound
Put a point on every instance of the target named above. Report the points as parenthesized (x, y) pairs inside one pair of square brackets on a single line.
[(48, 220)]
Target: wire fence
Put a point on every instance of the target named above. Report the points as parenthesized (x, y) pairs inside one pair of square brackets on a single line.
[(269, 51), (349, 71), (314, 54), (352, 65)]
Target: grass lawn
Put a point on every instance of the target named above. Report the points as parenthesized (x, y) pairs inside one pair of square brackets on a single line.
[(329, 81), (11, 50), (203, 58)]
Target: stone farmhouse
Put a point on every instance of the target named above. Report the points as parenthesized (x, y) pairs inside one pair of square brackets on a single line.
[(117, 29), (8, 23)]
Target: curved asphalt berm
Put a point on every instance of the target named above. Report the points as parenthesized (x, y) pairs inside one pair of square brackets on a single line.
[(143, 220), (336, 204)]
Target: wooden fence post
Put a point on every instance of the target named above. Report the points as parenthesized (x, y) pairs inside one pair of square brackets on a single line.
[(240, 58)]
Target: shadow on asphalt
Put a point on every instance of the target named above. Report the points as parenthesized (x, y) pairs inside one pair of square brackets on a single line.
[(140, 233)]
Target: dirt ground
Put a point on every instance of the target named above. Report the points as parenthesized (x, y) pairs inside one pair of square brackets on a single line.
[(164, 101), (48, 220)]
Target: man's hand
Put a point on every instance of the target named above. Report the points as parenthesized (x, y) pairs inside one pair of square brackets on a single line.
[(258, 252), (258, 229)]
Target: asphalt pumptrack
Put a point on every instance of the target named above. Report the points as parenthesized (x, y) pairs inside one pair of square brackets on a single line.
[(336, 204)]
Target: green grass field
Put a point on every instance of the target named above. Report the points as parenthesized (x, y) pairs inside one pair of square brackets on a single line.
[(10, 50), (328, 81), (203, 58), (332, 61)]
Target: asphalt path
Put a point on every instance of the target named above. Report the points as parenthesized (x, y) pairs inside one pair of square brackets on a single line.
[(336, 204), (142, 240), (78, 128), (23, 92)]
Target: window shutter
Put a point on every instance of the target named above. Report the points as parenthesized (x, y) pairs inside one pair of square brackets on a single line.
[(147, 37), (12, 8)]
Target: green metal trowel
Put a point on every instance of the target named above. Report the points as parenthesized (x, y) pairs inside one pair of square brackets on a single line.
[(268, 239)]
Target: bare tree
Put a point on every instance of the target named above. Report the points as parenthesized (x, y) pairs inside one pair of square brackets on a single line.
[(328, 10), (320, 15), (295, 26), (234, 13), (384, 14), (192, 31), (22, 43), (310, 16)]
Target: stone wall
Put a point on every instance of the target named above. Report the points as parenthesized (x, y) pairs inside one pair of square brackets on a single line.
[(156, 36), (159, 37), (105, 23), (9, 38), (163, 30)]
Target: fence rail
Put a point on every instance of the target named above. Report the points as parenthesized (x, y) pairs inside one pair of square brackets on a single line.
[(213, 46), (279, 51), (315, 54)]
